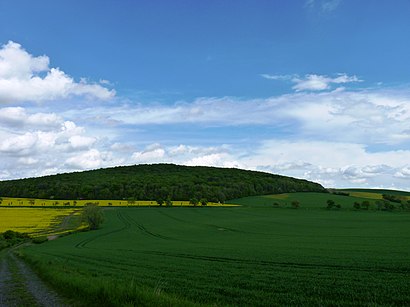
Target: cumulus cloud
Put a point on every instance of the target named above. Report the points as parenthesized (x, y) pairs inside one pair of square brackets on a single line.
[(187, 155), (24, 77), (90, 159), (18, 117), (153, 153), (80, 141)]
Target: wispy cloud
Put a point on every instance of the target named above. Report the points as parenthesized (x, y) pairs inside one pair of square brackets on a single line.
[(325, 6), (313, 82), (277, 77)]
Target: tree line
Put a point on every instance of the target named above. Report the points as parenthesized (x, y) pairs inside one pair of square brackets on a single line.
[(157, 181)]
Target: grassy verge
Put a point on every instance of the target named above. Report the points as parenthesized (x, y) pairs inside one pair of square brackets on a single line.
[(88, 290)]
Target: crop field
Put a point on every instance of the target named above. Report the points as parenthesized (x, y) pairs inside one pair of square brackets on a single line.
[(312, 200), (37, 221), (307, 200), (32, 202), (253, 255)]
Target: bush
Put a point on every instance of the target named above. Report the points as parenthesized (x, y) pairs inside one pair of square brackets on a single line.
[(168, 202), (10, 238), (39, 240), (193, 201), (295, 204), (330, 203), (93, 216)]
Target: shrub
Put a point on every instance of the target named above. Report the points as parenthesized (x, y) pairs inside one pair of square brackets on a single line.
[(168, 202), (39, 240), (330, 203), (295, 204), (193, 201), (93, 216)]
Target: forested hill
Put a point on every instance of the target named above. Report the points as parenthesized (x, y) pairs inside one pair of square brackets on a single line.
[(150, 182)]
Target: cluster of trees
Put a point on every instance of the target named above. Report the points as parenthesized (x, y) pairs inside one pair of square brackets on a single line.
[(331, 204), (157, 181), (394, 198), (295, 204), (383, 205)]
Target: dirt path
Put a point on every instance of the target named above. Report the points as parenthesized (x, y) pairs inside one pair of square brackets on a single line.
[(20, 286)]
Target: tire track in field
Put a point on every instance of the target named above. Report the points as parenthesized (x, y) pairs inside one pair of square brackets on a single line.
[(142, 228), (85, 242), (173, 217), (20, 286), (276, 263), (5, 281)]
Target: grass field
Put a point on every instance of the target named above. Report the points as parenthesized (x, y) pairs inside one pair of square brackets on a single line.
[(253, 255), (307, 200)]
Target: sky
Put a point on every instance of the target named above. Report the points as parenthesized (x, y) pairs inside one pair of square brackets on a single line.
[(314, 89)]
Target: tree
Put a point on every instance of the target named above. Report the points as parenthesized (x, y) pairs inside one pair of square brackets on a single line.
[(356, 205), (330, 203), (203, 202), (93, 215), (193, 201), (366, 204), (295, 204), (379, 204), (160, 201), (168, 202)]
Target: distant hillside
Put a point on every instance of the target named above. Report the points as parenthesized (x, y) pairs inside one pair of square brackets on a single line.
[(381, 191), (149, 182)]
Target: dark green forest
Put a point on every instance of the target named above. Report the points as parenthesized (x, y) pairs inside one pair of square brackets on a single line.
[(150, 182)]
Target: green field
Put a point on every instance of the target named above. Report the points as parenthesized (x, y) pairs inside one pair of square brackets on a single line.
[(307, 200), (250, 255)]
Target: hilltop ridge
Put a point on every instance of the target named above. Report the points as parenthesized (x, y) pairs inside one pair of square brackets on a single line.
[(152, 181)]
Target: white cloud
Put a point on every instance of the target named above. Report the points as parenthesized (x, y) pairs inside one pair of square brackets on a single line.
[(20, 144), (320, 82), (365, 116), (403, 172), (18, 117), (153, 153), (81, 142), (24, 77), (277, 77), (90, 159), (341, 164)]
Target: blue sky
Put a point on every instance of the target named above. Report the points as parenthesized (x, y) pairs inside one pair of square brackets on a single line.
[(316, 89)]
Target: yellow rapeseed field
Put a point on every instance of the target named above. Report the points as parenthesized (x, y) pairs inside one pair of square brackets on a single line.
[(31, 202), (35, 221), (366, 195)]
